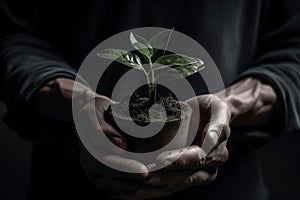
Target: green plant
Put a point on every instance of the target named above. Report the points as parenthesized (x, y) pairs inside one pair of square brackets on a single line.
[(161, 66)]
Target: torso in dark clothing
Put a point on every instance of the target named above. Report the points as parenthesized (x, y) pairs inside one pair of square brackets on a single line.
[(233, 32)]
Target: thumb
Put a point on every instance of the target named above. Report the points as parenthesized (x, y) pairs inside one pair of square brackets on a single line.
[(217, 129)]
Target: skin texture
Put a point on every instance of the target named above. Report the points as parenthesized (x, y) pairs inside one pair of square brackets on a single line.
[(249, 103)]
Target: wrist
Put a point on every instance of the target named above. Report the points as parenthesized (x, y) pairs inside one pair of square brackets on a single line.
[(54, 100), (251, 102)]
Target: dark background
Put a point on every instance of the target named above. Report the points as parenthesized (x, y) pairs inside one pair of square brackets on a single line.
[(15, 163), (279, 159)]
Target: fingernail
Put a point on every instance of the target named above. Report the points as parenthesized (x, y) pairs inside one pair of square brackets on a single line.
[(210, 140), (214, 135), (143, 171)]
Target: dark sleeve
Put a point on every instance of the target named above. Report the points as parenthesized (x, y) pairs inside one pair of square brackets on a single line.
[(27, 61), (279, 62)]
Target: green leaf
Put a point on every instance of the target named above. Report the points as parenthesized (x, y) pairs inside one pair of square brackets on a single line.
[(174, 60), (122, 56), (169, 75), (157, 66), (160, 41), (176, 73), (182, 66), (141, 44)]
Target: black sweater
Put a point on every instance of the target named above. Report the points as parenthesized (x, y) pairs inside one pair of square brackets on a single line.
[(44, 39), (41, 40)]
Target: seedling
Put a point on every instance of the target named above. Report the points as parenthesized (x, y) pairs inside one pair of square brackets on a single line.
[(162, 65)]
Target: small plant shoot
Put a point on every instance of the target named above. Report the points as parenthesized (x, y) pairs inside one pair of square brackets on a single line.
[(162, 66)]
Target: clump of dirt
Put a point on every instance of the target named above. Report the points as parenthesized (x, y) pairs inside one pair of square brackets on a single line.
[(176, 122), (139, 109)]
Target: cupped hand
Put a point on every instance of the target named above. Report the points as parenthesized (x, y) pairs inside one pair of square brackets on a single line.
[(198, 163), (101, 175)]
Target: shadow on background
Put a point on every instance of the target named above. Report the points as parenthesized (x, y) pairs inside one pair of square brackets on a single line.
[(280, 160), (15, 164)]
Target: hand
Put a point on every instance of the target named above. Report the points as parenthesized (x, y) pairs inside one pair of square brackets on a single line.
[(195, 166), (252, 103), (56, 97), (99, 174), (248, 103)]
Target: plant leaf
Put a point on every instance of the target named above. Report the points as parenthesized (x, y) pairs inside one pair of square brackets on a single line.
[(176, 73), (160, 41), (168, 75), (182, 66), (122, 56), (157, 66), (141, 44), (176, 60)]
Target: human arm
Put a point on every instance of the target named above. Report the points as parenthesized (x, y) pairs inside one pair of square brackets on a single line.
[(54, 102), (28, 61), (39, 103), (266, 95), (249, 103)]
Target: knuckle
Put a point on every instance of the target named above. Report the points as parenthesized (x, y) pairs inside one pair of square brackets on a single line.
[(200, 159), (195, 157), (189, 181)]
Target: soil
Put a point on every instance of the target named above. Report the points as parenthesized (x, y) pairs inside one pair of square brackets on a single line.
[(139, 113), (139, 109)]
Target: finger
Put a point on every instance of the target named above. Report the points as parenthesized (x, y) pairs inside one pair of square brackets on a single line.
[(218, 155), (146, 193), (178, 179), (183, 179), (217, 129), (124, 165), (116, 137), (214, 134), (95, 124), (191, 157), (113, 135), (202, 177), (112, 166)]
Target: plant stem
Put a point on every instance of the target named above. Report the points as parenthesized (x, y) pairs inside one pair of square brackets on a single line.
[(169, 37), (151, 94), (152, 86), (152, 72), (148, 79)]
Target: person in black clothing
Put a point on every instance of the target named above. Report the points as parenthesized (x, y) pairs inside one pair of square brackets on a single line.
[(255, 44)]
